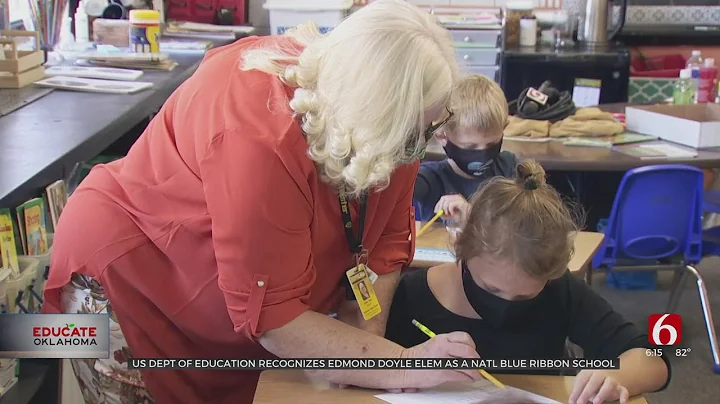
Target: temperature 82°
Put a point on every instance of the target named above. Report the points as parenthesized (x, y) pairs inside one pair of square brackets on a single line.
[(682, 351)]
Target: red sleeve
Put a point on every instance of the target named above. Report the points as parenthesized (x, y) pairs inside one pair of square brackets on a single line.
[(395, 248), (260, 229)]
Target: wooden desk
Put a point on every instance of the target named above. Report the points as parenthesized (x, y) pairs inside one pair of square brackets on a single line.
[(553, 155), (586, 245), (294, 386)]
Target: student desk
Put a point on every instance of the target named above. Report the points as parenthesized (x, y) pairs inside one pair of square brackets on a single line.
[(586, 245), (295, 386)]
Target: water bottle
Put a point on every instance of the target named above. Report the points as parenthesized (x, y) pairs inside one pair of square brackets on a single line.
[(684, 91), (695, 63)]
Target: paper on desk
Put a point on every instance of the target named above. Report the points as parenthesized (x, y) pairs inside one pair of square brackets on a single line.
[(480, 392), (433, 255)]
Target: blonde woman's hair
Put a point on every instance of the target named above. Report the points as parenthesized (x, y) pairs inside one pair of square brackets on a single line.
[(522, 220), (478, 103), (363, 88)]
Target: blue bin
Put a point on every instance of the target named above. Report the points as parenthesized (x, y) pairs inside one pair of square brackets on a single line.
[(629, 280)]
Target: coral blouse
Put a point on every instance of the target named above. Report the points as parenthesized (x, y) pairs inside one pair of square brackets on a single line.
[(216, 228)]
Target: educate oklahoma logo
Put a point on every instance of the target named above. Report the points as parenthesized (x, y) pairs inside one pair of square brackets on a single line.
[(69, 335), (55, 336)]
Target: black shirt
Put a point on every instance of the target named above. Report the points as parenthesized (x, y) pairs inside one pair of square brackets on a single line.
[(437, 179), (569, 309)]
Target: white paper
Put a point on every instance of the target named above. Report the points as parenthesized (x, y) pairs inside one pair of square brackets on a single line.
[(480, 392), (94, 86), (433, 255), (107, 73), (669, 150)]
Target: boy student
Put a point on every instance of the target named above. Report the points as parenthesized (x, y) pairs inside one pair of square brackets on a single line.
[(472, 140), (510, 290)]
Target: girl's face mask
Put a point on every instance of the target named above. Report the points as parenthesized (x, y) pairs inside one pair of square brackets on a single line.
[(498, 312)]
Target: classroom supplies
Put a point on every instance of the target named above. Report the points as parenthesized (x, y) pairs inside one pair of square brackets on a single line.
[(47, 17), (480, 392), (35, 227), (609, 141), (433, 255), (57, 198), (95, 86), (20, 67), (428, 224), (82, 24), (484, 374), (145, 31), (8, 248), (656, 151), (106, 73)]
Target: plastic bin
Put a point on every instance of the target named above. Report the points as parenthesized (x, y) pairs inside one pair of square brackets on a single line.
[(287, 14), (629, 280), (13, 285)]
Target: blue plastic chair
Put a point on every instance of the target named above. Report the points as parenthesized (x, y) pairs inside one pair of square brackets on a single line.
[(657, 218)]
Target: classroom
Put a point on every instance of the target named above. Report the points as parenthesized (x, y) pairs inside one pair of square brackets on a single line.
[(359, 201)]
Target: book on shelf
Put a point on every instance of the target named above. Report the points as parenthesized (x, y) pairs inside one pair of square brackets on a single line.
[(20, 214), (8, 247), (35, 227), (656, 151), (56, 195)]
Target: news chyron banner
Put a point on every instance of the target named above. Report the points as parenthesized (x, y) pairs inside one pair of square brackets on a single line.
[(55, 336)]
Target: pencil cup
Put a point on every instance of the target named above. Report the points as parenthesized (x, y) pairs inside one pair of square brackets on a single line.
[(15, 284)]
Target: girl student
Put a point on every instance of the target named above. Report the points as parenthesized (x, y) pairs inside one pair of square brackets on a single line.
[(512, 292)]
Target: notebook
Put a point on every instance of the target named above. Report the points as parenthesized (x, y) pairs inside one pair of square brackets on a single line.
[(480, 392)]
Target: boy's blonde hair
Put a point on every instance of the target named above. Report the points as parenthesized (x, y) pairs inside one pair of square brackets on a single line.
[(364, 87), (478, 103)]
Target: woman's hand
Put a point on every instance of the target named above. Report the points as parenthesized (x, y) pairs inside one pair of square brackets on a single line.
[(453, 345), (597, 387), (454, 206)]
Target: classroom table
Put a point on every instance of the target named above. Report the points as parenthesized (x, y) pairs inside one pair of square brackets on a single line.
[(295, 386), (586, 245), (553, 155), (42, 141)]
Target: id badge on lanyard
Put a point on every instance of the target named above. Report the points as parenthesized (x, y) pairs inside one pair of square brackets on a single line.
[(360, 278)]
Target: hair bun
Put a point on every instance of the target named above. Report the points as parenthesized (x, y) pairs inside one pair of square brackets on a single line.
[(529, 175)]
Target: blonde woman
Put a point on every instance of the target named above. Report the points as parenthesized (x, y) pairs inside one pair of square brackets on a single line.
[(222, 234)]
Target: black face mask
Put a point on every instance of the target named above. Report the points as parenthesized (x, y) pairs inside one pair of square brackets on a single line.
[(498, 312), (472, 162)]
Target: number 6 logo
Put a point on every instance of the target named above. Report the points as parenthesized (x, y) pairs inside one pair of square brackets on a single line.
[(664, 329)]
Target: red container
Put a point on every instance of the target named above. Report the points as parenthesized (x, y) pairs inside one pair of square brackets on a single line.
[(707, 84), (204, 11), (667, 66)]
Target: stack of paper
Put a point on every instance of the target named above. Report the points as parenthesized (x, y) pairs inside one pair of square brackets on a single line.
[(657, 151), (480, 392)]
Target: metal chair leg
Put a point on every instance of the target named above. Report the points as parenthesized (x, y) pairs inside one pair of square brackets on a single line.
[(677, 289), (707, 313)]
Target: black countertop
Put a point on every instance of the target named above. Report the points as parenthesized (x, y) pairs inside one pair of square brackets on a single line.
[(41, 142), (669, 35), (576, 53)]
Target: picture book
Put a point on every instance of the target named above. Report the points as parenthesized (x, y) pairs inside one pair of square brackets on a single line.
[(35, 227), (56, 194), (8, 248), (20, 213)]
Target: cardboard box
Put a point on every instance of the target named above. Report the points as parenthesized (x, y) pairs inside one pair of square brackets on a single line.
[(695, 125)]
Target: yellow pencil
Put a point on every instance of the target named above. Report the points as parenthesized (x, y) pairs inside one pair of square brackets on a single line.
[(482, 371), (428, 224)]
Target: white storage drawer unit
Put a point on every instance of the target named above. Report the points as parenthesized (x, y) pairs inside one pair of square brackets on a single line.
[(487, 71), (481, 38)]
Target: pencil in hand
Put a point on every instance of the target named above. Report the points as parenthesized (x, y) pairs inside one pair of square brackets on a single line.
[(484, 374), (428, 224)]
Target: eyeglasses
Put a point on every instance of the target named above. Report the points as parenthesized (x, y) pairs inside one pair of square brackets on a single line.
[(434, 127), (413, 152)]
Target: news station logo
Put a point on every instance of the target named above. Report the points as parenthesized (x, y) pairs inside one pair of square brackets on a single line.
[(664, 329), (54, 336)]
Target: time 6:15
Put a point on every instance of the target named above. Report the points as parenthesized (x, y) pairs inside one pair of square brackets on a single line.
[(654, 352)]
